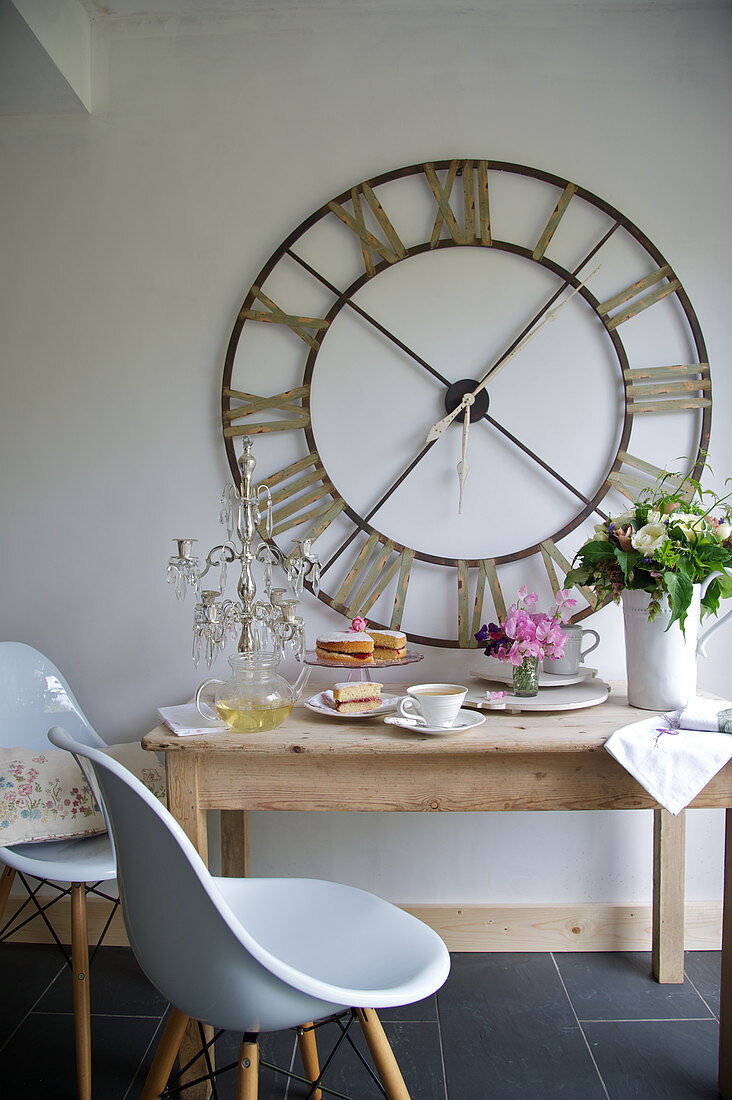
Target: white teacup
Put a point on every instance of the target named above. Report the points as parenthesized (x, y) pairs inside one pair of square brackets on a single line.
[(433, 704), (574, 654)]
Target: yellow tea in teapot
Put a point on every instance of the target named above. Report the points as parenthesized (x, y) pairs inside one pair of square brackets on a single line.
[(250, 718)]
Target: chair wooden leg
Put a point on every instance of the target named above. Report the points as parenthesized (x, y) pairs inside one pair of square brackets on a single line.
[(309, 1053), (165, 1055), (6, 881), (247, 1074), (382, 1054), (80, 977)]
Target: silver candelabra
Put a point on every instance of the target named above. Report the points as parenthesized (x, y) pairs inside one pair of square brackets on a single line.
[(271, 624)]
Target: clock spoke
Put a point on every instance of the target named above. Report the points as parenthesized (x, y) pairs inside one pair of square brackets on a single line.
[(544, 465), (380, 502), (341, 297)]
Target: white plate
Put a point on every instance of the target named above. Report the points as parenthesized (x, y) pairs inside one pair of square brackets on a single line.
[(465, 720), (319, 703), (501, 672), (571, 697)]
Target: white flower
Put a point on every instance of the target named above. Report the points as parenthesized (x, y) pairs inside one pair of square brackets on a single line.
[(654, 516), (649, 538), (724, 531), (625, 519), (689, 522)]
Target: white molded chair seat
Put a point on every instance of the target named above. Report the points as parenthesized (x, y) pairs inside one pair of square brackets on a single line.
[(253, 955), (33, 695)]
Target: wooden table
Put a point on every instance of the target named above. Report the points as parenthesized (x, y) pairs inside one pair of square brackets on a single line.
[(512, 762)]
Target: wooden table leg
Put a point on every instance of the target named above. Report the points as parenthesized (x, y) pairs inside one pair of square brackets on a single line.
[(181, 770), (725, 1006), (667, 950), (234, 843)]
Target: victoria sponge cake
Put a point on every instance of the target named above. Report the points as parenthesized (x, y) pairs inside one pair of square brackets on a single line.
[(389, 645), (357, 698), (343, 647)]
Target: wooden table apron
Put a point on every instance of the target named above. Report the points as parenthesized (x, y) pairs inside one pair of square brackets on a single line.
[(512, 762)]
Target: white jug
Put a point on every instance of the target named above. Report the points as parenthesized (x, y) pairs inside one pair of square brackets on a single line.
[(661, 662)]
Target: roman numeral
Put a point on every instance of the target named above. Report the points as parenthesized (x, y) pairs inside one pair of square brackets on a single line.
[(391, 248), (668, 389), (486, 572), (552, 555), (300, 488), (636, 290), (551, 226), (369, 576), (462, 591), (405, 565), (446, 217), (276, 316), (631, 484), (252, 405)]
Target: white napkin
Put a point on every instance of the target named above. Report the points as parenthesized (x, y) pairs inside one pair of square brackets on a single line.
[(185, 720), (670, 760), (714, 715)]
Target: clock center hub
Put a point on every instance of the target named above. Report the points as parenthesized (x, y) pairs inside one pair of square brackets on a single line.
[(457, 392)]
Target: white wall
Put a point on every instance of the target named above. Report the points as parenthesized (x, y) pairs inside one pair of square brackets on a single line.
[(128, 239)]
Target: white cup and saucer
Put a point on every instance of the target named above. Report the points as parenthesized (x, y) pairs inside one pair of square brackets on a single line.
[(574, 654), (435, 708)]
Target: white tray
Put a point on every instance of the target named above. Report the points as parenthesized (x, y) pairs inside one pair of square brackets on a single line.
[(572, 697), (501, 672)]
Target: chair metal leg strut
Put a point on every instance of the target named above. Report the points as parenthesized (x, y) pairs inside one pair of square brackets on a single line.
[(388, 1078)]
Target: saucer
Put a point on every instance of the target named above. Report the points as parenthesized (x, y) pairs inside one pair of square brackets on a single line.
[(501, 672), (465, 720)]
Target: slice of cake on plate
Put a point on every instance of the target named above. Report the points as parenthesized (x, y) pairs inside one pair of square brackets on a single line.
[(389, 645), (357, 697)]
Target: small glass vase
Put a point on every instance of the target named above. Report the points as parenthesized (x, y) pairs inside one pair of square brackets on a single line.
[(526, 677)]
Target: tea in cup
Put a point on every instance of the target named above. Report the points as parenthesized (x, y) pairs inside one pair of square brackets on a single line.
[(574, 654), (433, 704)]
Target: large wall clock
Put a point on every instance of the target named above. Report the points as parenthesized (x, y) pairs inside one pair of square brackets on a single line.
[(376, 316)]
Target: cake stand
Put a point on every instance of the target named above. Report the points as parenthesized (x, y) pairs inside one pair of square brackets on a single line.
[(364, 673)]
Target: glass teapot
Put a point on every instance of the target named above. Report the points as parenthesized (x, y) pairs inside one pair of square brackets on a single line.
[(255, 697)]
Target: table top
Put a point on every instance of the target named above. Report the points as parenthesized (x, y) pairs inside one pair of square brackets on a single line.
[(582, 731)]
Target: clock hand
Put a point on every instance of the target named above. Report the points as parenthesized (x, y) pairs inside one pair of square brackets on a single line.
[(463, 466), (440, 426)]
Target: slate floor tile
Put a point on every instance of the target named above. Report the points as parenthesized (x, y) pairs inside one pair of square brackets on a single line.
[(657, 1060), (43, 1065), (704, 970), (619, 986), (28, 970), (509, 1031)]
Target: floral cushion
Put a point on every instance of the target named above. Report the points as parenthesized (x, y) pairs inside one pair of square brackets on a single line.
[(44, 796)]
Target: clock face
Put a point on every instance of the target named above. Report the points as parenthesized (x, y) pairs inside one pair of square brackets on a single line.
[(573, 337)]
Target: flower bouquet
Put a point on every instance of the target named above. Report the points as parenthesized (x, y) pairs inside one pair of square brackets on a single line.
[(663, 545), (526, 637)]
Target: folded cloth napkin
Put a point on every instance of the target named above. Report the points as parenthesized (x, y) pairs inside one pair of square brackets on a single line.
[(671, 759), (714, 715), (186, 720)]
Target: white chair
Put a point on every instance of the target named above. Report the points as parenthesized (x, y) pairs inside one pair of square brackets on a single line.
[(255, 954), (33, 694)]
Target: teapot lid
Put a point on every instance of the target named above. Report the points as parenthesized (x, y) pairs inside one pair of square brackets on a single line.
[(263, 659)]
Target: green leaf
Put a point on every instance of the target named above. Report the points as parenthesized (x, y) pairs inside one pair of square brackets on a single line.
[(597, 551), (680, 591), (626, 559)]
